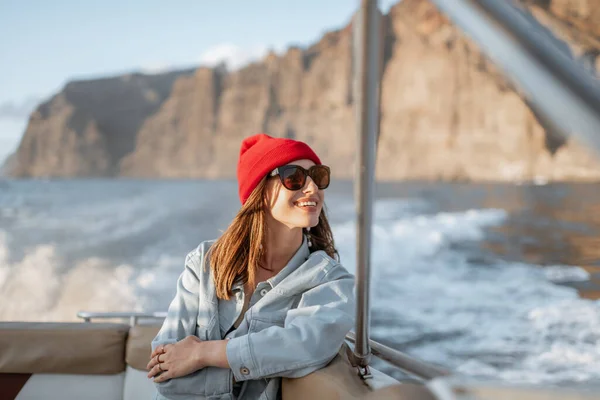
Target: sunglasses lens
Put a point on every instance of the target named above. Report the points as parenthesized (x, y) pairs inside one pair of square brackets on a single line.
[(320, 175), (293, 178)]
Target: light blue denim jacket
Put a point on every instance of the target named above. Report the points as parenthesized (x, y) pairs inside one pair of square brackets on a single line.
[(295, 324)]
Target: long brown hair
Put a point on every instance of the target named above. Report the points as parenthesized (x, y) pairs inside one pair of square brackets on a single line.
[(240, 249)]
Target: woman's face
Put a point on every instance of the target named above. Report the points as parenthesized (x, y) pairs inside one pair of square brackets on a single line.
[(292, 207)]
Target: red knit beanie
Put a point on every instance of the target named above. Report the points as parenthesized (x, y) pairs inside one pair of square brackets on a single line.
[(260, 154)]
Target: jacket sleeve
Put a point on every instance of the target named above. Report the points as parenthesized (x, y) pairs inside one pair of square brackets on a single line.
[(181, 321), (310, 338), (183, 310)]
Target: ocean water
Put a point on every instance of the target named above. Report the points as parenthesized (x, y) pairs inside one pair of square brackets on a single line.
[(490, 280)]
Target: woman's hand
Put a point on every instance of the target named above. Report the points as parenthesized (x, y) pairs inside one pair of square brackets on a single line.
[(177, 359)]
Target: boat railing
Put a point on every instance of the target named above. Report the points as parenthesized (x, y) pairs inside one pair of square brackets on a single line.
[(134, 317), (367, 68), (406, 363), (542, 69)]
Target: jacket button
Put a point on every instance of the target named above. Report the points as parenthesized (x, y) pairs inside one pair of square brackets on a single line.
[(263, 292), (244, 371)]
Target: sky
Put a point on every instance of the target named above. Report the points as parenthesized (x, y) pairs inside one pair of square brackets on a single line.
[(44, 44)]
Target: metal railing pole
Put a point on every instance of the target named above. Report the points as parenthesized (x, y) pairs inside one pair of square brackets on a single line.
[(133, 316), (408, 364), (559, 89), (367, 77)]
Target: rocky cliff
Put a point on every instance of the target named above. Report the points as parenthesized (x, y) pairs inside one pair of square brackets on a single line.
[(87, 128), (446, 112)]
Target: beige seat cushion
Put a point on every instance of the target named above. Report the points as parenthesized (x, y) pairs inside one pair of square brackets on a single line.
[(62, 348), (404, 391), (139, 345), (339, 380)]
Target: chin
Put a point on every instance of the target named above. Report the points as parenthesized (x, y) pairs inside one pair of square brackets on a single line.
[(307, 224), (312, 224)]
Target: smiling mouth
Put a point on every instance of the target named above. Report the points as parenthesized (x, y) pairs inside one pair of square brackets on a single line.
[(306, 204)]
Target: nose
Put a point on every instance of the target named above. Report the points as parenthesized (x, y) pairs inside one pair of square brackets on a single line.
[(310, 186)]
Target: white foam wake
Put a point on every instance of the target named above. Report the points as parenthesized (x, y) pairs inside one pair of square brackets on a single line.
[(479, 315), (38, 291)]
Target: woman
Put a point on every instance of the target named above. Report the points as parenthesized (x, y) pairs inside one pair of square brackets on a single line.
[(267, 299)]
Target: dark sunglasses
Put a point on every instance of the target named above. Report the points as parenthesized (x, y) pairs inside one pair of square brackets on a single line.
[(293, 177)]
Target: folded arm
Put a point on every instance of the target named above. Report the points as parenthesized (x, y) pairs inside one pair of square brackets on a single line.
[(310, 338), (182, 320)]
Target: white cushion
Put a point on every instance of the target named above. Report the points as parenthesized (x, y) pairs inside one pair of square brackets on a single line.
[(73, 387), (137, 385)]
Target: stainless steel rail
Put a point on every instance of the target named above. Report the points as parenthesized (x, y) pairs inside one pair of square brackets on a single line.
[(558, 87), (406, 363), (367, 77), (133, 317)]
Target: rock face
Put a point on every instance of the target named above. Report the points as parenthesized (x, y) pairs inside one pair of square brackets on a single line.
[(446, 112), (87, 128)]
